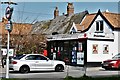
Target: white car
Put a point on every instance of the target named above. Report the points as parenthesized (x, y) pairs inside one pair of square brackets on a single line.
[(35, 62)]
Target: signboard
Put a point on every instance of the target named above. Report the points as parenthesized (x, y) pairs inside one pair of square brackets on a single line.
[(8, 26), (80, 58), (11, 52)]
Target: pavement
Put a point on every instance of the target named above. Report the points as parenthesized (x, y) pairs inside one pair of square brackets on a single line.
[(2, 71), (82, 68)]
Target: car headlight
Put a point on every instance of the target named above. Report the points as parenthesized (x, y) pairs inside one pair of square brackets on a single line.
[(113, 61)]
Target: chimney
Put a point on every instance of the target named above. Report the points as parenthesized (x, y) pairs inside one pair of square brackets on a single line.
[(56, 12), (70, 9)]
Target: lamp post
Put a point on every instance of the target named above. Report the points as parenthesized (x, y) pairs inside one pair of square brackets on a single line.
[(8, 15)]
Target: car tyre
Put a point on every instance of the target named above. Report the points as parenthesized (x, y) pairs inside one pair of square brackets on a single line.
[(59, 68), (24, 69)]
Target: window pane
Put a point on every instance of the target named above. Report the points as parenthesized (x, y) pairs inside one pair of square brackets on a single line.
[(101, 25), (31, 57), (42, 58), (97, 26)]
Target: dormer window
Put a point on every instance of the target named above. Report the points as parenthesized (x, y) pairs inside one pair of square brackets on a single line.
[(99, 26), (73, 31)]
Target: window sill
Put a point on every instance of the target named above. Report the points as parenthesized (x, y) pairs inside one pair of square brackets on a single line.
[(98, 31)]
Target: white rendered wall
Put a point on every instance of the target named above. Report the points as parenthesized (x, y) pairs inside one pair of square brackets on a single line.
[(113, 45), (100, 56), (118, 41)]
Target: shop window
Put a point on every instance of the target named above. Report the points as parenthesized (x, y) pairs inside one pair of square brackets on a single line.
[(105, 49), (66, 52), (95, 49), (99, 26), (80, 47)]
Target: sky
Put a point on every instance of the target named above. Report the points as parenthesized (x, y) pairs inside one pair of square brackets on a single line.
[(32, 11)]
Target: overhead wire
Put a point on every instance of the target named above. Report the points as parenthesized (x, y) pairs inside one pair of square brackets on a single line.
[(21, 15)]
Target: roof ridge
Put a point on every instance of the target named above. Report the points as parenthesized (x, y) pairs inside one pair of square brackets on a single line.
[(110, 13), (92, 14)]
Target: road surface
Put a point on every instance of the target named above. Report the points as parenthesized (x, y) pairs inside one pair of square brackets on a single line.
[(69, 71)]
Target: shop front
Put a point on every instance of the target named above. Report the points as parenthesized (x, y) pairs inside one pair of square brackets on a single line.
[(71, 51)]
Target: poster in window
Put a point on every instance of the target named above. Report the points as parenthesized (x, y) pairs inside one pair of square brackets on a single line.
[(80, 49), (80, 58), (95, 48), (105, 49), (74, 55)]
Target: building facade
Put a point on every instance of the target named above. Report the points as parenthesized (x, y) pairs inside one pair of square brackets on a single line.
[(96, 38)]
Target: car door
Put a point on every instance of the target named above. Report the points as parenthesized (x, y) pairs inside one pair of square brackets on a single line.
[(43, 63), (31, 61)]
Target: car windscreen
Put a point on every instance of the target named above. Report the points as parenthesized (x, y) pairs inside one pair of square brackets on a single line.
[(19, 57)]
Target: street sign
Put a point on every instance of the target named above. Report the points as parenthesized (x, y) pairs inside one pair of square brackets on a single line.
[(11, 52), (9, 26), (8, 12)]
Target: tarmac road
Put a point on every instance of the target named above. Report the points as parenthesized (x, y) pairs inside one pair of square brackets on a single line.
[(69, 71)]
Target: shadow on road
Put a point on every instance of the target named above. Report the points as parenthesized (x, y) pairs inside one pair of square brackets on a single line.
[(33, 72), (109, 70)]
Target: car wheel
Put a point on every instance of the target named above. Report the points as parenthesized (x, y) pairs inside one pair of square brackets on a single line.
[(24, 69), (59, 68)]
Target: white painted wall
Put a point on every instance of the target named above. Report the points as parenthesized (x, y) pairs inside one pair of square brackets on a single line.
[(100, 56), (116, 45), (118, 41), (113, 45)]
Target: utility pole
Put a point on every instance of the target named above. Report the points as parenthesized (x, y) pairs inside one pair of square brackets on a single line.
[(8, 15)]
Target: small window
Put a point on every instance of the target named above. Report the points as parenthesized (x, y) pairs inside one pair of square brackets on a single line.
[(99, 26), (73, 31)]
